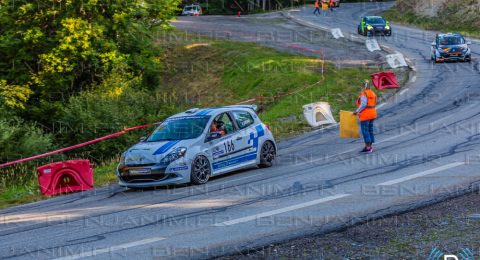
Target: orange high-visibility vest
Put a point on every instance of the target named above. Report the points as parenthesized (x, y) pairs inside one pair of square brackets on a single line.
[(370, 112)]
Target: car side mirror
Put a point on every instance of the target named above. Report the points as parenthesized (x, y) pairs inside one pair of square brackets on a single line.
[(468, 43), (143, 138), (213, 136)]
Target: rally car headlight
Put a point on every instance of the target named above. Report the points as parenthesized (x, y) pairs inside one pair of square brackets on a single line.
[(369, 27), (176, 154), (122, 159), (387, 27)]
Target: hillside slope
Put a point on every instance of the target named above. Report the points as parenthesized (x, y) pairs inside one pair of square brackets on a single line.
[(443, 15)]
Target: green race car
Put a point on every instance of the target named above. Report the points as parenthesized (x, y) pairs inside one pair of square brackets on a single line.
[(372, 25)]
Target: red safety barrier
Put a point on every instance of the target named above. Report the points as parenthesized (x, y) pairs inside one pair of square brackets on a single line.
[(65, 177), (384, 80)]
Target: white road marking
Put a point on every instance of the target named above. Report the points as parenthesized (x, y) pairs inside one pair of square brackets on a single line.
[(280, 211), (403, 91), (372, 45), (413, 79), (394, 137), (421, 174), (381, 105), (97, 252), (337, 33), (396, 60)]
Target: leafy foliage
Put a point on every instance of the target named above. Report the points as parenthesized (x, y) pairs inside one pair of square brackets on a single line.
[(116, 104), (56, 48), (20, 139)]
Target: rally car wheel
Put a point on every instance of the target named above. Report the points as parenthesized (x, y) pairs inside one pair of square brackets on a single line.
[(201, 170), (267, 154)]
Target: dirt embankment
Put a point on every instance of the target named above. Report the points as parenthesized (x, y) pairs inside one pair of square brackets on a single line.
[(443, 15), (463, 11)]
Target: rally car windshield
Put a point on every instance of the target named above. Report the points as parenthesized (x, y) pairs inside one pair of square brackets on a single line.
[(376, 20), (179, 128), (451, 40)]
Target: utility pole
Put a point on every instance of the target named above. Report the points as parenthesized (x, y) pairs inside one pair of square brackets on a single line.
[(264, 1)]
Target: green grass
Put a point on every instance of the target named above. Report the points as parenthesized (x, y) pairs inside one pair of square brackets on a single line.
[(204, 72), (444, 23), (240, 71)]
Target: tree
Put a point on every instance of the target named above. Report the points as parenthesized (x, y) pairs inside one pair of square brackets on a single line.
[(52, 49)]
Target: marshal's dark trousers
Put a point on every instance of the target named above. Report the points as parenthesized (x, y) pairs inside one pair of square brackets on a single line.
[(367, 131)]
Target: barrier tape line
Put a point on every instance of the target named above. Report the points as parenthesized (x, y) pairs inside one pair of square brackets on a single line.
[(280, 95), (124, 131)]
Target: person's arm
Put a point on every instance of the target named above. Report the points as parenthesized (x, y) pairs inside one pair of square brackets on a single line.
[(363, 104)]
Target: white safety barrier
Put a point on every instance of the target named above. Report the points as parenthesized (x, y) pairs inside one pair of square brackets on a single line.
[(318, 114), (337, 33), (396, 60), (372, 45)]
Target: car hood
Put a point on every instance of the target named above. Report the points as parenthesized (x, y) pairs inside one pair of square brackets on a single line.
[(454, 47), (151, 152)]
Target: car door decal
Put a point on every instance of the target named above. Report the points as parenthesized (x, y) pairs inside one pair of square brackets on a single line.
[(244, 157), (234, 152), (254, 139), (235, 160)]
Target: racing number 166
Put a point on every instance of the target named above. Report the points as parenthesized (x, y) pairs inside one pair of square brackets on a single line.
[(229, 147)]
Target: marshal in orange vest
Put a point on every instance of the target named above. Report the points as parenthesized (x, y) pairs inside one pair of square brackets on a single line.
[(370, 112)]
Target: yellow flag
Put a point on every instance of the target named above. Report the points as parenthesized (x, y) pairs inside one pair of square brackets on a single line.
[(348, 125)]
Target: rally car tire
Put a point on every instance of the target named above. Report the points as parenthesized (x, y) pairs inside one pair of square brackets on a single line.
[(267, 154), (201, 170)]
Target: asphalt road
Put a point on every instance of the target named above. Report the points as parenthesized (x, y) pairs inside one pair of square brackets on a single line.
[(427, 149)]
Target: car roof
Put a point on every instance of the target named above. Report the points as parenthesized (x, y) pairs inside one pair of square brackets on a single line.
[(449, 34), (373, 16), (215, 110)]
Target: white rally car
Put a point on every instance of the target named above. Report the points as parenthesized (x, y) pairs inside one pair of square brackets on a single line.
[(199, 143)]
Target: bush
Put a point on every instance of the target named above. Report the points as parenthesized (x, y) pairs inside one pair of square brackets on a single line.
[(97, 113), (20, 139)]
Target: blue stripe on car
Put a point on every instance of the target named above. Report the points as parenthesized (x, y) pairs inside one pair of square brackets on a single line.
[(235, 160), (204, 112), (166, 147), (254, 139)]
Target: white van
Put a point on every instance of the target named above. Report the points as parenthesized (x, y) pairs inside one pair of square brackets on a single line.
[(194, 10)]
